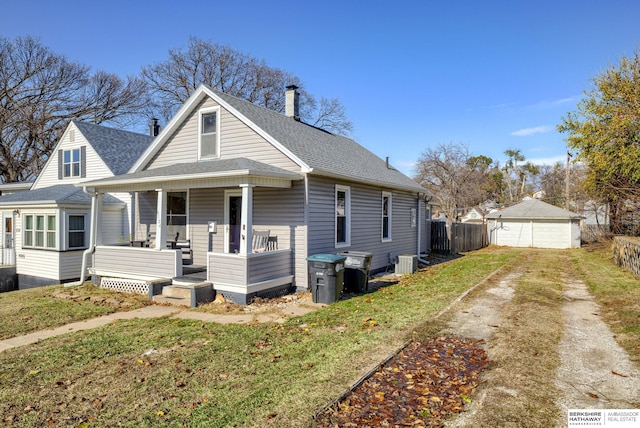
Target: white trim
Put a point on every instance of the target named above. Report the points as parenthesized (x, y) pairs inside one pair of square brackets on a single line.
[(87, 224), (253, 288), (389, 217), (347, 215), (227, 195), (198, 95), (202, 112)]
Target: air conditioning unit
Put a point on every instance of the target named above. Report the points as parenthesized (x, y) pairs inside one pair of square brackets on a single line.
[(407, 263)]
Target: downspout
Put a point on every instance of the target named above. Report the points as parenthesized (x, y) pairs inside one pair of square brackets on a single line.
[(419, 221), (92, 237)]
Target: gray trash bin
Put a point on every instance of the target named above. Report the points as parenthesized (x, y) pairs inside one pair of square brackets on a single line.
[(357, 266), (326, 275)]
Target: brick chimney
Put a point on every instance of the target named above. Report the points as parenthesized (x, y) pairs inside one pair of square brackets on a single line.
[(292, 105)]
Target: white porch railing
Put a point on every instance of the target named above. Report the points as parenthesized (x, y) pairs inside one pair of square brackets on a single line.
[(136, 263)]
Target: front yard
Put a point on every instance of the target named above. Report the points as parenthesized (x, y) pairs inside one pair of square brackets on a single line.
[(174, 372)]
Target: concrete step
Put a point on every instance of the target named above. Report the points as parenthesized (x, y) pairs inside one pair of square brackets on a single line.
[(187, 293), (175, 301), (177, 290)]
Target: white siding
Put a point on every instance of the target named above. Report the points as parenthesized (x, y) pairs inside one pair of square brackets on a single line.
[(95, 167), (236, 140)]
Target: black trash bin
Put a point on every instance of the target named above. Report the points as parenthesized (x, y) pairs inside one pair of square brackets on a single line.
[(326, 275), (356, 270)]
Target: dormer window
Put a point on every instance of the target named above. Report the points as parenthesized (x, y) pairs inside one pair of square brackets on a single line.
[(209, 133)]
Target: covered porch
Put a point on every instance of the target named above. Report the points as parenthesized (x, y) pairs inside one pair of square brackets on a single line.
[(244, 249)]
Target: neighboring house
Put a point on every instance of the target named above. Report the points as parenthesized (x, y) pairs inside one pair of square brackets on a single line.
[(533, 223), (50, 222), (8, 256), (474, 215), (224, 170)]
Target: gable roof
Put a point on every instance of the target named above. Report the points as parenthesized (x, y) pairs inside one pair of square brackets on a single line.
[(533, 209), (316, 151), (117, 148), (52, 195)]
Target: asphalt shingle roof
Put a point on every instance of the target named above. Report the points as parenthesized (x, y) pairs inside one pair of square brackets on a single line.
[(533, 209), (232, 166), (326, 153), (52, 194), (118, 149)]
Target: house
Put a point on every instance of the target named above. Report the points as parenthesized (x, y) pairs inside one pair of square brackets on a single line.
[(533, 223), (46, 228), (474, 215), (224, 170)]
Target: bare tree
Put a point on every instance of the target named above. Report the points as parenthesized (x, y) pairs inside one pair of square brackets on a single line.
[(173, 80), (455, 177), (40, 92), (516, 174)]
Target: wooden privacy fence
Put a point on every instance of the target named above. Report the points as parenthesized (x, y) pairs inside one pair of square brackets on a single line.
[(464, 237)]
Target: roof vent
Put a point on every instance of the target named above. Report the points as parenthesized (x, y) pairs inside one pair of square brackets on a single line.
[(292, 105)]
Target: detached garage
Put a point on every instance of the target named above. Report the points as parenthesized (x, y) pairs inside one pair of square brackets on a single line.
[(533, 223)]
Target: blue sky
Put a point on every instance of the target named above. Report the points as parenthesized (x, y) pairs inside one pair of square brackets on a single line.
[(491, 75)]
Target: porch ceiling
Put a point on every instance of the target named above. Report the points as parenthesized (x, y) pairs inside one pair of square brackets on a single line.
[(214, 173)]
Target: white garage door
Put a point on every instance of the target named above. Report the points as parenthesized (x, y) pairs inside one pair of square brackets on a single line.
[(539, 234), (552, 234), (513, 233)]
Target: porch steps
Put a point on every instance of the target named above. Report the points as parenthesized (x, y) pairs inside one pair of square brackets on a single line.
[(186, 293)]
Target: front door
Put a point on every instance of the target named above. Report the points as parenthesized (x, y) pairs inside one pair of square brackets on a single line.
[(233, 217), (8, 252)]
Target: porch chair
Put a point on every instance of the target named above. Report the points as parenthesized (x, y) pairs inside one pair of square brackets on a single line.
[(260, 241)]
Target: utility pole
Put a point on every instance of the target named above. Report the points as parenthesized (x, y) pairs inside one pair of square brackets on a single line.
[(566, 183)]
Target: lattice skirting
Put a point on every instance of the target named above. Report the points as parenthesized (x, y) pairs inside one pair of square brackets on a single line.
[(125, 285)]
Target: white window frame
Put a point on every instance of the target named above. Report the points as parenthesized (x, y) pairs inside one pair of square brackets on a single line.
[(201, 113), (33, 232), (68, 230), (389, 217), (186, 215), (71, 163), (347, 215)]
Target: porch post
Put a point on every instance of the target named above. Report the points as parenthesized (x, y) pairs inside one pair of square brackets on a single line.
[(98, 219), (161, 220), (246, 219)]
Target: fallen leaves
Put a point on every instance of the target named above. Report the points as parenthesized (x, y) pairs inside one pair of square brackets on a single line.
[(422, 385)]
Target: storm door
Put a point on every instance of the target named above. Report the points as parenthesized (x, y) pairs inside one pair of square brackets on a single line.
[(233, 225)]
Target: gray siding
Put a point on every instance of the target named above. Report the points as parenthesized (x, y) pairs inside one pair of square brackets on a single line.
[(236, 140), (366, 221), (138, 261), (205, 205), (268, 266)]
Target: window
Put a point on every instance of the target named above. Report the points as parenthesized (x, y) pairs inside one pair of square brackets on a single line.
[(39, 231), (343, 216), (76, 231), (209, 135), (386, 216), (177, 215), (71, 163)]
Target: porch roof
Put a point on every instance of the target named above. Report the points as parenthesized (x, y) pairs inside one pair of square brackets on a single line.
[(66, 194), (213, 173)]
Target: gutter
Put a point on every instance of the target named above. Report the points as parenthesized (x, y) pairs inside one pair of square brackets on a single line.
[(92, 236), (419, 221)]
